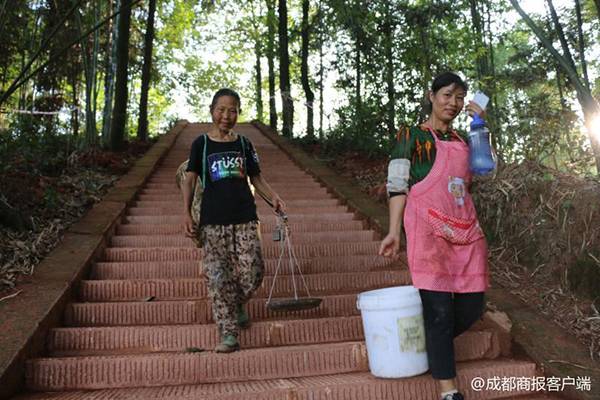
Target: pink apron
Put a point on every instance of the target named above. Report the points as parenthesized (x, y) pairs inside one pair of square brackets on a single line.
[(446, 247)]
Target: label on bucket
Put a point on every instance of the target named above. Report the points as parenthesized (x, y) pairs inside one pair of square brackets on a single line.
[(411, 333)]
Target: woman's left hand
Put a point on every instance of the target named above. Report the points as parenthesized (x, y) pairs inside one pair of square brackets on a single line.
[(474, 108), (278, 204)]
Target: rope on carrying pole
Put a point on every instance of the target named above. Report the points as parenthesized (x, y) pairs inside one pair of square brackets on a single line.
[(285, 243)]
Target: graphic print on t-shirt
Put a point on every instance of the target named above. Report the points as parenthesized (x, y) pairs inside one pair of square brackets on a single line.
[(229, 164)]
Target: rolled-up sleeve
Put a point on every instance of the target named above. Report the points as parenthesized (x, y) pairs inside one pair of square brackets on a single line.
[(399, 167), (398, 176)]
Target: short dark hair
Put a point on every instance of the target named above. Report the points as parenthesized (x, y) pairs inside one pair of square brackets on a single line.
[(447, 79), (226, 92)]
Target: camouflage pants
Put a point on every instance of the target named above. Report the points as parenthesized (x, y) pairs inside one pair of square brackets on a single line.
[(233, 265)]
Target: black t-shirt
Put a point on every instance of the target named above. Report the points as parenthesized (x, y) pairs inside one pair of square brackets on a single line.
[(227, 198)]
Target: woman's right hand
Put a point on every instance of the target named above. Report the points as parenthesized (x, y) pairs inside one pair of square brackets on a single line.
[(188, 226), (390, 246)]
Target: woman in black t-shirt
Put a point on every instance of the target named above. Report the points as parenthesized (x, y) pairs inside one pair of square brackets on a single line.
[(228, 229)]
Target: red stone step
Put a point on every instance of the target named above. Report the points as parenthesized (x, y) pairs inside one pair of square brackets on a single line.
[(306, 225), (72, 342), (170, 178), (291, 175), (178, 210), (180, 240), (177, 369), (266, 227), (318, 206), (146, 270), (165, 175), (300, 192), (192, 312), (176, 338), (153, 254), (172, 185), (260, 203), (192, 269), (325, 249), (194, 254), (163, 180), (94, 373), (354, 386), (269, 250), (283, 186), (291, 172), (181, 289), (171, 162), (154, 197), (269, 218), (287, 197), (299, 181)]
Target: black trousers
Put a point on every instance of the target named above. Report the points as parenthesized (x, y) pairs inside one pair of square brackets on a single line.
[(447, 315)]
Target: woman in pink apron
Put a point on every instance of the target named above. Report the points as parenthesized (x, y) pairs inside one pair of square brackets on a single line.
[(428, 185)]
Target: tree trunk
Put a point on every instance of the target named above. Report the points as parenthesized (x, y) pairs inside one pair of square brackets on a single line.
[(89, 65), (109, 78), (357, 62), (22, 92), (427, 72), (119, 112), (258, 77), (589, 105), (96, 52), (321, 71), (270, 60), (561, 94), (310, 96), (563, 107), (357, 93), (388, 30), (477, 24), (75, 112), (284, 73), (142, 132), (2, 8), (493, 117), (597, 2), (561, 34), (581, 44), (484, 74)]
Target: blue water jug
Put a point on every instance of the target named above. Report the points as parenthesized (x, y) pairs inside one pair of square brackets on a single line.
[(481, 159)]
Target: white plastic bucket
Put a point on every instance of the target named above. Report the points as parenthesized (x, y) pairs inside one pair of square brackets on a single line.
[(394, 331)]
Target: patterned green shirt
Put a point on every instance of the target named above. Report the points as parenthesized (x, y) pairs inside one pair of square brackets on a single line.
[(417, 145)]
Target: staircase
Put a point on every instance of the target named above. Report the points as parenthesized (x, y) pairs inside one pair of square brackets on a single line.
[(143, 328)]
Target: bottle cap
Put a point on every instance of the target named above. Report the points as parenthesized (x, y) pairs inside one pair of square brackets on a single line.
[(477, 122)]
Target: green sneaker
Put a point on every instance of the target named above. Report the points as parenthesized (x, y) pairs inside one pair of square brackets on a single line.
[(228, 344), (243, 319)]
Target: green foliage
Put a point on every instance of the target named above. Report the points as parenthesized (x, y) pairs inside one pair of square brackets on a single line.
[(203, 45), (533, 111), (201, 77), (29, 145), (365, 132)]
